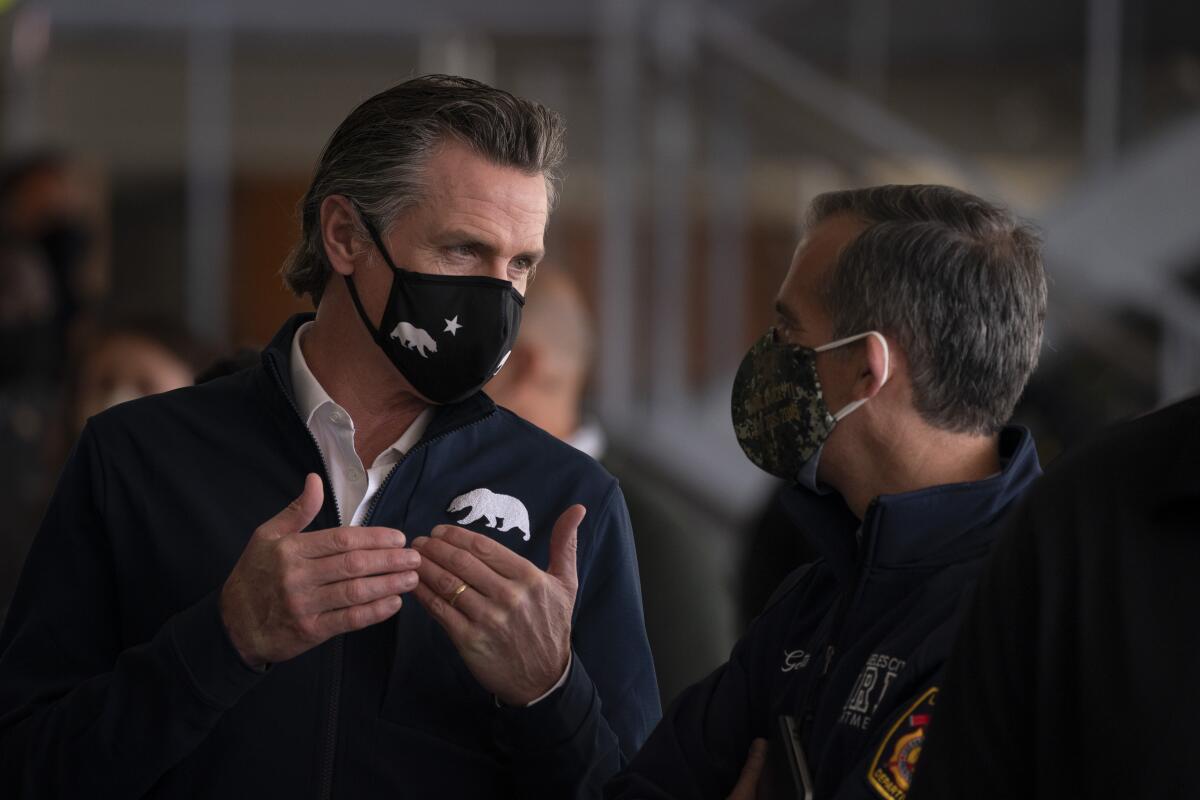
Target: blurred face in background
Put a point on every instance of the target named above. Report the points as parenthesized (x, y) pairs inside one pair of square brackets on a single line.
[(58, 210), (126, 366)]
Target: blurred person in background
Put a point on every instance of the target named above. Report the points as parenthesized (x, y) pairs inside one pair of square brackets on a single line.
[(51, 206), (213, 606), (120, 360), (52, 273), (907, 327), (29, 402), (1072, 674), (678, 550), (125, 359)]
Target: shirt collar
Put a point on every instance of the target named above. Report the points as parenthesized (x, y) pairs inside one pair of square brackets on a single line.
[(309, 393), (311, 396)]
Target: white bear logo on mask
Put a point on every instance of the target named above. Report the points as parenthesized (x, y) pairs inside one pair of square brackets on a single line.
[(486, 504), (413, 338)]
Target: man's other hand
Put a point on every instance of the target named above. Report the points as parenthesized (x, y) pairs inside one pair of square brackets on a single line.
[(291, 591), (747, 785), (512, 622)]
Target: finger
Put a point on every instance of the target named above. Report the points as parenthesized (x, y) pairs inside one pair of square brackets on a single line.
[(564, 543), (445, 584), (360, 591), (463, 564), (747, 786), (454, 621), (299, 513), (319, 544), (358, 563), (489, 551), (354, 618)]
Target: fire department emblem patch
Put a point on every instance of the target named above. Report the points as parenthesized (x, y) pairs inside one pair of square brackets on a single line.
[(891, 771)]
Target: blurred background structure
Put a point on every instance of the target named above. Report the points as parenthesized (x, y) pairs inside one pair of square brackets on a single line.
[(698, 131)]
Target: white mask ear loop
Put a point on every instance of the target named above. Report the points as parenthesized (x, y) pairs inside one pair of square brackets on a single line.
[(851, 407)]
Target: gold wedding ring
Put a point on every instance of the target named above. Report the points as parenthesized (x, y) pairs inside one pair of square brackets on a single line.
[(457, 592)]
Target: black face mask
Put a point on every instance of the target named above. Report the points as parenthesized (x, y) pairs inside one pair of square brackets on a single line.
[(448, 335)]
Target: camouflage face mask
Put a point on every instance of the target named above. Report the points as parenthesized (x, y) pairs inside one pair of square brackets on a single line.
[(779, 411)]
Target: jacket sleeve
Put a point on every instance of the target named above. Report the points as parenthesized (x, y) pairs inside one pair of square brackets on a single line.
[(699, 748), (701, 745), (83, 713), (570, 743)]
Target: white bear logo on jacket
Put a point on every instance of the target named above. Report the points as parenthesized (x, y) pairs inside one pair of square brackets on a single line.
[(486, 504)]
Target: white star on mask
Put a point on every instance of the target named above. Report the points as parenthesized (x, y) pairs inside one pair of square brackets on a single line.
[(452, 326)]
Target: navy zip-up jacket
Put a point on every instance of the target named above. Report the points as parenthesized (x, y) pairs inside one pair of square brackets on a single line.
[(851, 647), (117, 678)]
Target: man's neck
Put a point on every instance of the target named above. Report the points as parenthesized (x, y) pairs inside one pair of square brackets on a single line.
[(365, 384), (908, 464)]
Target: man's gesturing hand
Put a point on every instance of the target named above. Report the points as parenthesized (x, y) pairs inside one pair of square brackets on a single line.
[(290, 591), (512, 624)]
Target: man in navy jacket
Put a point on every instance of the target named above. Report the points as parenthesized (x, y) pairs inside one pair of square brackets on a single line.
[(907, 327), (212, 607)]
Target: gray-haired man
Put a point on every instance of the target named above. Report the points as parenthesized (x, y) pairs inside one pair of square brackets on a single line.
[(186, 625), (907, 327)]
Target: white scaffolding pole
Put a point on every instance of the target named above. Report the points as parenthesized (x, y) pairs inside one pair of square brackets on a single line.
[(209, 168), (618, 102)]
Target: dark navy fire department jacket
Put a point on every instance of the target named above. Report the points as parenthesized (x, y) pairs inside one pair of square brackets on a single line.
[(851, 647), (117, 678)]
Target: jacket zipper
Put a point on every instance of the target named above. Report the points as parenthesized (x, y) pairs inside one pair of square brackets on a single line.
[(339, 644), (367, 517), (329, 753), (832, 644)]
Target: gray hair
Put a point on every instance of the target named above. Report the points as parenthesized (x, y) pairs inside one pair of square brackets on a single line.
[(377, 156), (957, 282)]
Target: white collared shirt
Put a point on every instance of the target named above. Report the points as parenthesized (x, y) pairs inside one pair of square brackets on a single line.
[(353, 486)]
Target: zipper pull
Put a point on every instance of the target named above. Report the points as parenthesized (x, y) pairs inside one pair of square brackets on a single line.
[(829, 651)]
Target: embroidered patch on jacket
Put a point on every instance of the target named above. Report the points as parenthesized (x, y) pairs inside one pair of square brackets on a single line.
[(877, 675), (891, 771), (486, 504)]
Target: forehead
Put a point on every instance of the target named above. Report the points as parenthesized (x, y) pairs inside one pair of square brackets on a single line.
[(815, 256), (467, 190)]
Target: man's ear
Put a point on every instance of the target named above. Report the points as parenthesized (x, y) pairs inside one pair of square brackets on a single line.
[(878, 368), (340, 234)]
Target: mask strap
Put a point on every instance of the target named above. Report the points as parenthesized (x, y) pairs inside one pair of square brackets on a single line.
[(853, 406), (848, 409), (374, 234), (362, 312), (887, 365), (375, 237)]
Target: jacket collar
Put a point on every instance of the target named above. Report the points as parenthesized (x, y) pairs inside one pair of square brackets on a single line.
[(276, 362), (916, 526)]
